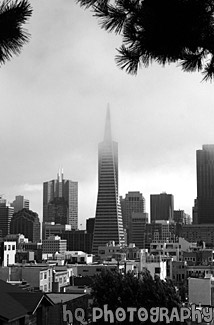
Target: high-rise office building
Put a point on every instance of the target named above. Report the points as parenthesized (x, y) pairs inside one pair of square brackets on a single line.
[(6, 213), (20, 203), (133, 202), (108, 221), (60, 201), (161, 207), (138, 228), (26, 222), (181, 217), (205, 184)]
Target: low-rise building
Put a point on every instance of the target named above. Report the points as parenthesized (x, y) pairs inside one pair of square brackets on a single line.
[(110, 251), (173, 248), (21, 307), (92, 270), (61, 279), (155, 264), (7, 253), (38, 276), (54, 244)]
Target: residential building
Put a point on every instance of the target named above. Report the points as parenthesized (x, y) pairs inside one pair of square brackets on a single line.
[(26, 222), (178, 273), (156, 265), (61, 279), (199, 257), (18, 238), (73, 257), (174, 249), (20, 203), (161, 207), (60, 201), (19, 307), (205, 181), (92, 269), (7, 253), (66, 306), (6, 213), (112, 252), (39, 276), (108, 221)]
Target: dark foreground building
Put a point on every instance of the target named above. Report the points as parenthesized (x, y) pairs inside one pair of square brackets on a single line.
[(26, 222)]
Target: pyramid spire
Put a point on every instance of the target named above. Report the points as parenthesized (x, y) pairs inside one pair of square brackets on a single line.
[(107, 134)]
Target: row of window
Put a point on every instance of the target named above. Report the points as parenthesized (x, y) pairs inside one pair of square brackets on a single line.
[(44, 275), (9, 247)]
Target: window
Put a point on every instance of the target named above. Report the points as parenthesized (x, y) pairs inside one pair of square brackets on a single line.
[(9, 247), (45, 275), (45, 287), (13, 247), (157, 270)]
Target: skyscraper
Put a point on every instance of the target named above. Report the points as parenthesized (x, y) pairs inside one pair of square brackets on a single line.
[(108, 221), (161, 207), (133, 202), (60, 201), (205, 184), (20, 203), (26, 222), (6, 213), (138, 228)]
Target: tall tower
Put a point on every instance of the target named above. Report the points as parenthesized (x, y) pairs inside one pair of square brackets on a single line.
[(60, 201), (161, 207), (205, 184), (108, 221)]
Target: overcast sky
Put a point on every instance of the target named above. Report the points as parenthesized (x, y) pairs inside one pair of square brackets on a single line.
[(54, 99)]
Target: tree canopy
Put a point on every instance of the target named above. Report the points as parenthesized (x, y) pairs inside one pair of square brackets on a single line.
[(13, 14), (127, 291), (164, 31)]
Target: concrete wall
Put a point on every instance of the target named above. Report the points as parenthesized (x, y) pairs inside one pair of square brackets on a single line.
[(200, 291)]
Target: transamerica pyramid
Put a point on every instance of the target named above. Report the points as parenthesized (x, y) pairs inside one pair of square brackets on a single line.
[(108, 220)]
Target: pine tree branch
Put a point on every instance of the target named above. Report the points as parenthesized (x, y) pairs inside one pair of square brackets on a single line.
[(13, 14)]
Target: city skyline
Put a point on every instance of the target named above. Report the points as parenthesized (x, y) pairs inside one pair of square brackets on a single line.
[(54, 96)]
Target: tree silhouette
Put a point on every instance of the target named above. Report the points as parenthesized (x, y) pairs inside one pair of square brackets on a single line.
[(164, 31), (13, 14), (127, 291)]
